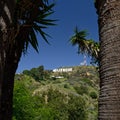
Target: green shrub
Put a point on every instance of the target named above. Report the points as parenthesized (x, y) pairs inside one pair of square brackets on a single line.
[(81, 89), (93, 95), (77, 108), (22, 102), (66, 86)]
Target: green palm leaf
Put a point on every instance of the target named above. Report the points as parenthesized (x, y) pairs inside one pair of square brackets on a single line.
[(79, 39), (34, 15), (38, 29), (33, 40), (85, 46)]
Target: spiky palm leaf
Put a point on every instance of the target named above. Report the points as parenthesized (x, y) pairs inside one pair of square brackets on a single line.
[(79, 39), (33, 16), (85, 46), (94, 48)]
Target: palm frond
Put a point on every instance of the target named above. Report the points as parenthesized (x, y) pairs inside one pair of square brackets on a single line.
[(33, 40), (79, 39), (34, 15), (85, 46), (46, 22), (39, 30)]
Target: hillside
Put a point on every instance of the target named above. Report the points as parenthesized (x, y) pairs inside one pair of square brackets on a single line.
[(76, 90)]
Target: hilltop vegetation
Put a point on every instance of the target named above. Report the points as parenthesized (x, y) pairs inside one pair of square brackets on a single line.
[(42, 95)]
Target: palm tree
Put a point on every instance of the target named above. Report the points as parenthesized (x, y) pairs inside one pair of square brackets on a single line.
[(20, 21), (85, 46), (109, 30)]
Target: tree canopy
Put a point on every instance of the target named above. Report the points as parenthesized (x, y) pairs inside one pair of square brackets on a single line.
[(85, 46), (32, 17)]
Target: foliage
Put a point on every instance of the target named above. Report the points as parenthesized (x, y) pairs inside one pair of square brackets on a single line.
[(56, 99), (81, 89), (77, 108), (65, 105), (45, 113), (32, 17), (22, 100), (37, 73), (93, 94), (85, 46)]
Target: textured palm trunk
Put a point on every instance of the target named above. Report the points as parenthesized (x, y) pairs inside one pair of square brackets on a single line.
[(10, 55), (109, 32), (8, 68), (8, 58)]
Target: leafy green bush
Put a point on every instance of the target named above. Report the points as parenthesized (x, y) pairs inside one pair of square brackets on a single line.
[(36, 73), (87, 81), (66, 86), (93, 95), (22, 102), (66, 106), (77, 108), (81, 89), (45, 113)]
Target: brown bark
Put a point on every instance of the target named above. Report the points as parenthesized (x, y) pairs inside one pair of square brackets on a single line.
[(10, 53), (7, 83), (7, 59), (8, 64), (109, 32)]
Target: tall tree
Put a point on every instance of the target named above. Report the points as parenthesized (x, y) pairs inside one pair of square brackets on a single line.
[(19, 22), (109, 33), (85, 46)]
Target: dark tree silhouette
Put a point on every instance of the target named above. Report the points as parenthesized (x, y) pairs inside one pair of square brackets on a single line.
[(20, 20)]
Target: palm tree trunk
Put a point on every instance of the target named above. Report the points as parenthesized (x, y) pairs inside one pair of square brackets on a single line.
[(109, 32), (6, 88), (8, 59)]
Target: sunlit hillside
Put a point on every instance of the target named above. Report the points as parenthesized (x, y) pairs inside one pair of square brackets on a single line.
[(60, 95)]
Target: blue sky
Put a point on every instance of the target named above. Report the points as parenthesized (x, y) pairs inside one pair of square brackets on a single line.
[(70, 13)]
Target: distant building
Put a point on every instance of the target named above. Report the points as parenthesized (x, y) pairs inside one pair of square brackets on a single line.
[(63, 69), (57, 77)]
